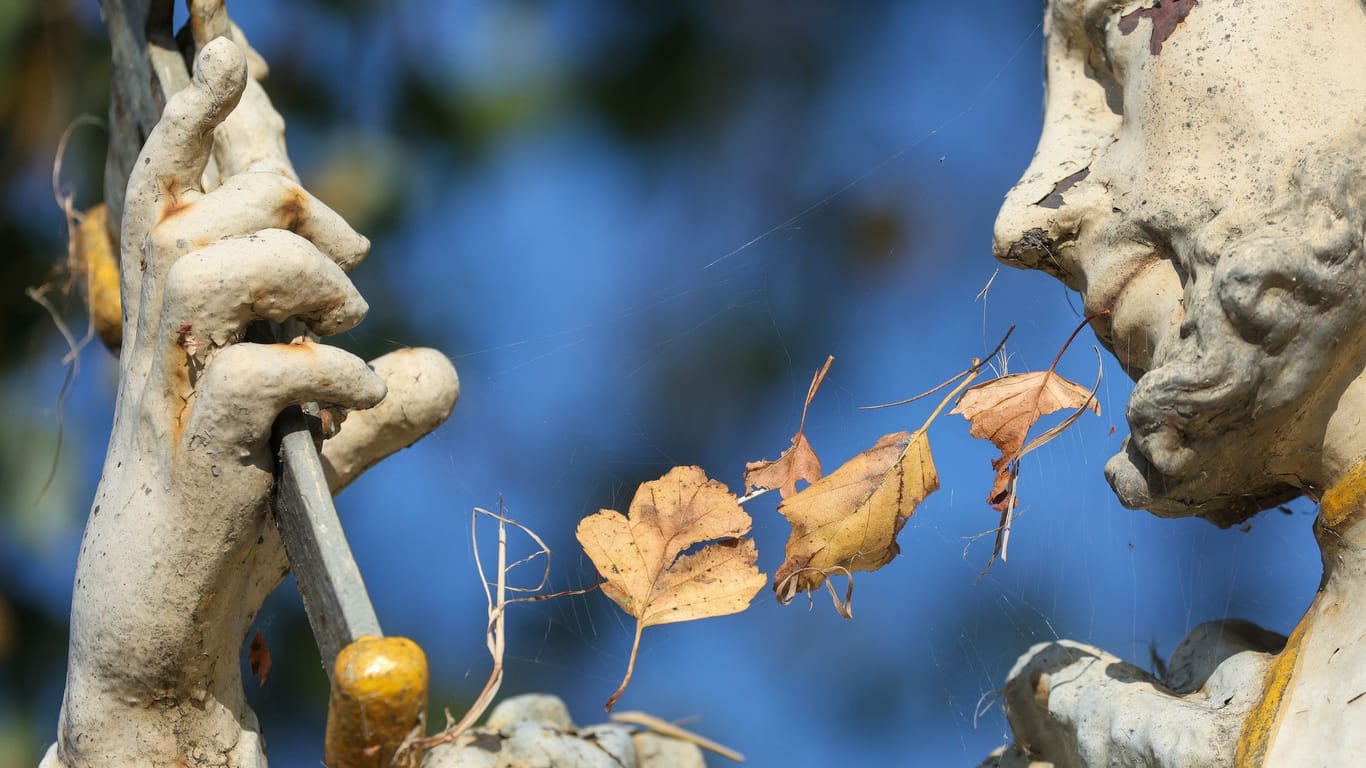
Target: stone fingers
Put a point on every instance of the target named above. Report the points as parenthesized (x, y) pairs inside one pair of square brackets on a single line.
[(423, 388), (166, 177), (1073, 704), (214, 293), (209, 20), (251, 202), (252, 138), (247, 386)]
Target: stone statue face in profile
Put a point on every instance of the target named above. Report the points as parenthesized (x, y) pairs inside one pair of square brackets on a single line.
[(1201, 181)]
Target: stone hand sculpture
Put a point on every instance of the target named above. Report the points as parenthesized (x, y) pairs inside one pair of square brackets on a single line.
[(180, 549), (1201, 181)]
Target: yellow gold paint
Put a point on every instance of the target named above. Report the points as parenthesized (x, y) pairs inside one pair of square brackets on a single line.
[(1346, 500), (379, 692), (94, 264), (1261, 721), (1341, 505)]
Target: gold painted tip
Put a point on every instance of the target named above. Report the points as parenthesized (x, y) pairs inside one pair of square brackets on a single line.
[(379, 694)]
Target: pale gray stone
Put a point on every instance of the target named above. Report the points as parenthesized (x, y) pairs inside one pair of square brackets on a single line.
[(1201, 181)]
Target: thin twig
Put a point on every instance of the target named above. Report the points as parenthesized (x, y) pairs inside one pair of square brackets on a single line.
[(673, 731), (496, 600), (72, 359), (754, 494), (811, 391), (971, 371), (72, 368)]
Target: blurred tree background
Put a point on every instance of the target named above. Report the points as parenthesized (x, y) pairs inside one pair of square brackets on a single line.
[(637, 228)]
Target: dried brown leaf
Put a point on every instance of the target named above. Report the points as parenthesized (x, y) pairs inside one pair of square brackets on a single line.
[(799, 461), (849, 520), (1004, 409), (641, 554)]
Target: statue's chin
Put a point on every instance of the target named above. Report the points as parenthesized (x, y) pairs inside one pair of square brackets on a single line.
[(1202, 493)]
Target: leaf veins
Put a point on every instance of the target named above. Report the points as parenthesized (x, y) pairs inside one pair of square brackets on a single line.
[(848, 520), (641, 554)]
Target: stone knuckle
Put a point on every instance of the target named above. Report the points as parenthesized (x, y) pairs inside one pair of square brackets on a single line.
[(168, 236)]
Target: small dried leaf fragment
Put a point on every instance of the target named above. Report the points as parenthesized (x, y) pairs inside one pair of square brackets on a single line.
[(258, 656), (640, 555), (849, 520), (799, 461), (1004, 409)]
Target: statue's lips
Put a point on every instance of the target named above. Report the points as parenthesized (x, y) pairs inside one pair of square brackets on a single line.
[(1190, 381), (1192, 413), (1144, 311)]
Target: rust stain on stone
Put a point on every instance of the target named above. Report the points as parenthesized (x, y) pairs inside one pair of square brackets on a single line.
[(1165, 15), (293, 209), (172, 206), (181, 385)]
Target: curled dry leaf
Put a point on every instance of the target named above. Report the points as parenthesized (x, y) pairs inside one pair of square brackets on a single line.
[(94, 261), (849, 520), (1004, 409), (640, 555), (799, 461)]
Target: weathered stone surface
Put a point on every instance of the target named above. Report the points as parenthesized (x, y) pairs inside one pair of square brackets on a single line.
[(535, 730), (1201, 180), (1210, 199), (179, 550)]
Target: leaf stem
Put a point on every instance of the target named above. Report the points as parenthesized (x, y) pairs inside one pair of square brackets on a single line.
[(1084, 322), (630, 666), (811, 391), (969, 375), (970, 372)]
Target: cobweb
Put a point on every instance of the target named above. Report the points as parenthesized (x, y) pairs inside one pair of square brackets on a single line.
[(608, 331), (615, 311)]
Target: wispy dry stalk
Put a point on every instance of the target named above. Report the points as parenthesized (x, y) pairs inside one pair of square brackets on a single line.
[(496, 600)]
